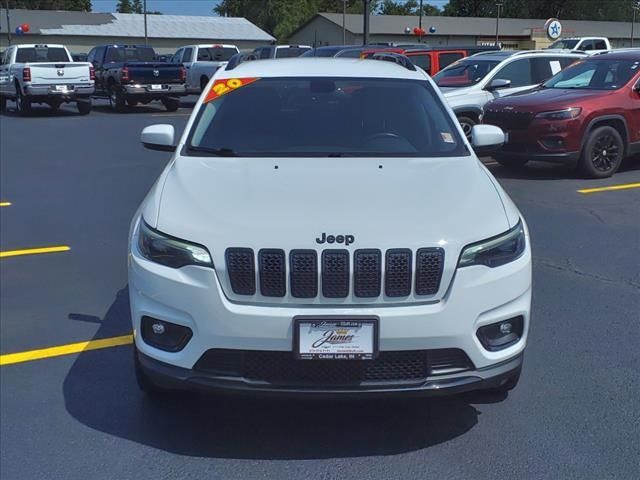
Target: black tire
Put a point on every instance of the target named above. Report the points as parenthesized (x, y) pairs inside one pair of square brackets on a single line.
[(55, 105), (203, 83), (3, 103), (467, 123), (132, 103), (602, 153), (23, 105), (145, 383), (84, 106), (116, 100), (510, 162), (171, 104)]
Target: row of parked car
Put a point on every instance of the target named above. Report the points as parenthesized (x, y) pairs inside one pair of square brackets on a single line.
[(556, 105)]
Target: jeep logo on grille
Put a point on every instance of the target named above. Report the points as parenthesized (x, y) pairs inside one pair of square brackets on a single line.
[(60, 72), (346, 239)]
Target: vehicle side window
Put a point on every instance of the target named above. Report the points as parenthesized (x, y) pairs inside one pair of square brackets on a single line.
[(518, 71), (265, 53), (204, 55), (542, 69), (422, 60), (446, 59), (566, 61), (599, 45), (99, 54), (188, 55), (177, 57), (586, 45), (91, 55), (3, 58)]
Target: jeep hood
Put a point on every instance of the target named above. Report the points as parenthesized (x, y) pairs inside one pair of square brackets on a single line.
[(546, 99), (287, 203)]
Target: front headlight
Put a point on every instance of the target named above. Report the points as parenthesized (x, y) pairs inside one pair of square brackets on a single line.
[(566, 114), (169, 251), (495, 251)]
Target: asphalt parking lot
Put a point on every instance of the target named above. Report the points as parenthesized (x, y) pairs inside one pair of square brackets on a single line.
[(71, 184)]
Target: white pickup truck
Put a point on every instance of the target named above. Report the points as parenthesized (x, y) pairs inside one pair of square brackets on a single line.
[(201, 62), (44, 74), (589, 45)]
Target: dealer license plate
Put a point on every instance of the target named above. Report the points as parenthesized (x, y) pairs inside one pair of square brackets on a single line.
[(61, 88), (156, 87), (335, 339)]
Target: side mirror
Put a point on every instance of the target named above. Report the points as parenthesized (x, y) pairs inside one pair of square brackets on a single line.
[(486, 139), (498, 83), (159, 137)]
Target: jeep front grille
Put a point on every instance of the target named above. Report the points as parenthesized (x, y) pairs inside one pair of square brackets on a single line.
[(335, 274)]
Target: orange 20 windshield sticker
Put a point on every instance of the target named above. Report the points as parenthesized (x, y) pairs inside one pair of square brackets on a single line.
[(227, 85)]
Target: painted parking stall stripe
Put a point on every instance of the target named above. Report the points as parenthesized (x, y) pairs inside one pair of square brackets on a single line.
[(5, 204), (624, 186), (34, 251), (69, 349)]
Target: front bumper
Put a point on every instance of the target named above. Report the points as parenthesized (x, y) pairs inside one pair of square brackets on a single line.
[(193, 297), (149, 91), (567, 158), (172, 377)]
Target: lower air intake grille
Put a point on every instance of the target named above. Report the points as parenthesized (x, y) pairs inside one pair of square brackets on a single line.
[(242, 270), (429, 264), (282, 369), (273, 282)]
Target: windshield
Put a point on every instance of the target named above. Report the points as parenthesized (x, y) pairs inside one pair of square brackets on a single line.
[(216, 54), (42, 54), (135, 54), (289, 52), (564, 44), (321, 52), (312, 117), (595, 75), (464, 73)]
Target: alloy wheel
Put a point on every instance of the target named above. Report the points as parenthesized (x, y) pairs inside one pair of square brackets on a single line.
[(605, 153)]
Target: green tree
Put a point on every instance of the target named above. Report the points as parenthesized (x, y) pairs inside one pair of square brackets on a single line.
[(394, 7), (78, 5), (124, 6), (136, 6)]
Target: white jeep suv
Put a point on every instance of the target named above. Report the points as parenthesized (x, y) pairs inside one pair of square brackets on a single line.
[(472, 82), (324, 227)]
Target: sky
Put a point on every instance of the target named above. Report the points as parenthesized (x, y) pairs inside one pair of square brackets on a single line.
[(188, 7)]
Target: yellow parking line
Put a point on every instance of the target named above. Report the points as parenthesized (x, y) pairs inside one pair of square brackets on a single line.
[(5, 204), (34, 251), (11, 358), (625, 186)]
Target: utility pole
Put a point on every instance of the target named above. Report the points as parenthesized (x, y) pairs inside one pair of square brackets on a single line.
[(144, 12), (367, 12), (499, 4), (635, 8), (344, 22), (420, 23), (8, 22)]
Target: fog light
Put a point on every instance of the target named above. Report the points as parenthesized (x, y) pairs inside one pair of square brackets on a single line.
[(158, 328), (164, 335), (505, 328), (501, 335)]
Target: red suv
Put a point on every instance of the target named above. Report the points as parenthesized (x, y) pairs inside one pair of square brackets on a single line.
[(431, 59), (588, 115)]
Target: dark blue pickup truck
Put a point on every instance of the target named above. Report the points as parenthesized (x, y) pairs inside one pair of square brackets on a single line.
[(129, 74)]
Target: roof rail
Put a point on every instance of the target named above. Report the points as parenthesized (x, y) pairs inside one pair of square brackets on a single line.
[(239, 58), (395, 58)]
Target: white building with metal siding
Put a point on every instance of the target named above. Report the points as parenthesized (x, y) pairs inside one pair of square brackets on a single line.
[(81, 31)]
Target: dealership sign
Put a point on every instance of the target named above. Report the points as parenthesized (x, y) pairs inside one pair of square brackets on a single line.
[(553, 27)]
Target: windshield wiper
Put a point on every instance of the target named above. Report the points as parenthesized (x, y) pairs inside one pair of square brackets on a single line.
[(218, 152)]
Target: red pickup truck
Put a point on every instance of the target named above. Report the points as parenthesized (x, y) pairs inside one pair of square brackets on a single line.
[(588, 115)]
